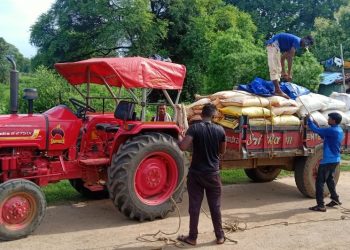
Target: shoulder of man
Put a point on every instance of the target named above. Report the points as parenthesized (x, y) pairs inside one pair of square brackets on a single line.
[(218, 127), (193, 128)]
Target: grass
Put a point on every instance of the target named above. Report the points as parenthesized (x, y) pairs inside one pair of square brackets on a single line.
[(63, 192), (234, 176), (345, 167), (345, 157)]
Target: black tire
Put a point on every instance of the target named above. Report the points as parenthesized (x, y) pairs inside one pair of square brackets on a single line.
[(18, 198), (306, 172), (263, 174), (124, 170), (78, 185)]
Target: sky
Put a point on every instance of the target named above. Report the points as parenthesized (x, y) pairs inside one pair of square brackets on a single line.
[(16, 18)]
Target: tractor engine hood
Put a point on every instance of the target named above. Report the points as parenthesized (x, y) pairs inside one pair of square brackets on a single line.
[(22, 130), (56, 129)]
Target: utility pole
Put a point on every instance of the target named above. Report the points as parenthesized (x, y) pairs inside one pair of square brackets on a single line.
[(343, 71)]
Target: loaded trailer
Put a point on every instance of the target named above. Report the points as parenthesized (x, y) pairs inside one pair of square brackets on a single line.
[(263, 151)]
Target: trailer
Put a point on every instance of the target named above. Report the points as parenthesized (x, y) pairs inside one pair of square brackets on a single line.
[(263, 151)]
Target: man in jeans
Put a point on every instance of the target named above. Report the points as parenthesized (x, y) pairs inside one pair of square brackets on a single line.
[(332, 139), (208, 140)]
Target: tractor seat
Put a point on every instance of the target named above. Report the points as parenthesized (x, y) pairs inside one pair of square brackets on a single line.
[(125, 111), (107, 127)]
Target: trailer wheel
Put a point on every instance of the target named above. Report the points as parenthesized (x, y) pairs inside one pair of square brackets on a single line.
[(78, 185), (263, 174), (145, 173), (306, 173), (22, 208)]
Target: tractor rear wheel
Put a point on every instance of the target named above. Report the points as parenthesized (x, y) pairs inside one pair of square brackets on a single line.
[(306, 172), (146, 172), (263, 174), (78, 185), (22, 208)]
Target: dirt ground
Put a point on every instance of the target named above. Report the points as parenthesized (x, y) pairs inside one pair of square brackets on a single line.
[(98, 225)]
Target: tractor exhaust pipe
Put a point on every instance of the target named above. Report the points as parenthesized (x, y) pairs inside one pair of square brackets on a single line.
[(13, 87)]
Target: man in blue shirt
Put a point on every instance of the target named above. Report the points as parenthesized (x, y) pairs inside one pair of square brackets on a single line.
[(332, 139), (282, 47)]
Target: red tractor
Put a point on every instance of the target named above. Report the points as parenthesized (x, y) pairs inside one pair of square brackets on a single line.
[(138, 163)]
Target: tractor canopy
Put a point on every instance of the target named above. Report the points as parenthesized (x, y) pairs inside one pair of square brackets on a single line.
[(127, 72)]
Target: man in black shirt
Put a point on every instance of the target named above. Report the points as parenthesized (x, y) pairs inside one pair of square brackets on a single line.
[(208, 142)]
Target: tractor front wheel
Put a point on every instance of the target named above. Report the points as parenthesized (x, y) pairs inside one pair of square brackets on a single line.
[(22, 208), (146, 172)]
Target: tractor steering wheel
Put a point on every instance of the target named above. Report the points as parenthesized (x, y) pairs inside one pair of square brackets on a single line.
[(81, 107)]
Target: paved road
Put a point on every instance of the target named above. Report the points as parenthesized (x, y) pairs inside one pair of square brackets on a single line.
[(98, 225)]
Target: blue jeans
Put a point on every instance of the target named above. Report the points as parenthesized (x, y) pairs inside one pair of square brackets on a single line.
[(325, 174)]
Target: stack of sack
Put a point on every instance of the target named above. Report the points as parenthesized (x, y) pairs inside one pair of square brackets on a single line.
[(232, 104), (344, 98), (194, 110), (319, 106)]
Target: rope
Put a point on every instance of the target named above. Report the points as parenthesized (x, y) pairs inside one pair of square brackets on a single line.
[(155, 237), (302, 103), (344, 211), (229, 226), (235, 224)]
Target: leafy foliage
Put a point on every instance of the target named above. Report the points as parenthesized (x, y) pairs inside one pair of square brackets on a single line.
[(233, 61), (53, 90), (76, 30), (274, 16), (330, 33), (219, 44), (307, 71), (213, 23), (22, 63)]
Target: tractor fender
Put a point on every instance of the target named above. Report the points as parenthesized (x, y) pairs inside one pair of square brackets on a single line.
[(123, 134)]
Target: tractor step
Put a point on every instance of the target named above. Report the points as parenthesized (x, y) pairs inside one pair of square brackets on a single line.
[(94, 162), (94, 188)]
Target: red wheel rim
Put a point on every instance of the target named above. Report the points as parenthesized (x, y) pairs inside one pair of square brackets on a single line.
[(156, 178), (17, 211)]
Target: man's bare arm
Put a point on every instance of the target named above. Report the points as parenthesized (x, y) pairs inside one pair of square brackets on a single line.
[(185, 143), (222, 148)]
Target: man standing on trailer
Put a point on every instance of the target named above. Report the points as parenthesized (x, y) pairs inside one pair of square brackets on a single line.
[(282, 47), (332, 139), (208, 140)]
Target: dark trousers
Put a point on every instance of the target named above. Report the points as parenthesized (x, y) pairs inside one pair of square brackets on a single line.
[(325, 174), (196, 185)]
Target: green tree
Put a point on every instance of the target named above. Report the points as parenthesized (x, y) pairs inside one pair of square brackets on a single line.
[(205, 23), (234, 61), (297, 16), (216, 41), (330, 33), (307, 71), (75, 30), (22, 63)]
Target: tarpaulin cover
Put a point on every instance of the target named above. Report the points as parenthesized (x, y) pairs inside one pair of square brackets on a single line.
[(293, 90), (266, 88), (130, 72), (330, 77), (259, 86)]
